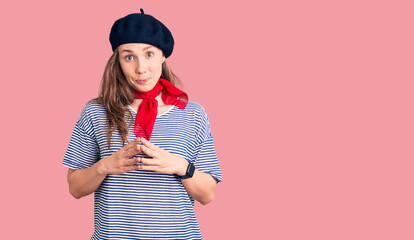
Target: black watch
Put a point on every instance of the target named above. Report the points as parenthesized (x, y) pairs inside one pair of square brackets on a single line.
[(190, 171)]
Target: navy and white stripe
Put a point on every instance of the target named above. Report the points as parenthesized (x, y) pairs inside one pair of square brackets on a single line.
[(143, 204)]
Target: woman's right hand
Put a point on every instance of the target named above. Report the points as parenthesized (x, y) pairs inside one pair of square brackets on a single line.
[(121, 161)]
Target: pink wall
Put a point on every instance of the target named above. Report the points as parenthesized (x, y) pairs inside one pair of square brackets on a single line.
[(311, 106)]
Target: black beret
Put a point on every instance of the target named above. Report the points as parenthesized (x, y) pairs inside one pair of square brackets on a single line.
[(141, 28)]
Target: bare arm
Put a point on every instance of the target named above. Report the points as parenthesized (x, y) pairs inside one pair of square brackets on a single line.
[(201, 186), (83, 182)]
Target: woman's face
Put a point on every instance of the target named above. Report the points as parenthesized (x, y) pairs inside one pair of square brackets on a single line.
[(141, 64)]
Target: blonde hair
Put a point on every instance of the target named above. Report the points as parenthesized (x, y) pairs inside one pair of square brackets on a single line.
[(116, 94)]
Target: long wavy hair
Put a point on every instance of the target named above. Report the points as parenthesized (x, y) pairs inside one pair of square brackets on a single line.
[(116, 94)]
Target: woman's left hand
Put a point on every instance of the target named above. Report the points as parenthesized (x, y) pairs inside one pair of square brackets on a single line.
[(201, 186), (162, 161)]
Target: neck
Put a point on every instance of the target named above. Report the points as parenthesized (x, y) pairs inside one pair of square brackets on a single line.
[(135, 104)]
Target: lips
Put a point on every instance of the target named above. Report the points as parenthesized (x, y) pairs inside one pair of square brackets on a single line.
[(142, 81)]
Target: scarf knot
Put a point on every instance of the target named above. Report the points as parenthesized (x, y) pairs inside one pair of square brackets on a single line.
[(148, 110)]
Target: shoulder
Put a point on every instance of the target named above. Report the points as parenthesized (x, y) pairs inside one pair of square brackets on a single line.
[(199, 120), (197, 113), (196, 110), (93, 107), (195, 107), (93, 115), (93, 111)]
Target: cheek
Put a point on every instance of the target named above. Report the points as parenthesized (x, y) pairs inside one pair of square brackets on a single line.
[(127, 70), (156, 68)]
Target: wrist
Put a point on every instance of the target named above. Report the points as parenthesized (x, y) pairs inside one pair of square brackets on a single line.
[(183, 167), (189, 171), (100, 168)]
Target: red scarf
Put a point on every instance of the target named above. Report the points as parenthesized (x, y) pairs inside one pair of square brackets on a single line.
[(147, 111)]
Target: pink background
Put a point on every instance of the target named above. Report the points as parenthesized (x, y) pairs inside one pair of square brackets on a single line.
[(310, 102)]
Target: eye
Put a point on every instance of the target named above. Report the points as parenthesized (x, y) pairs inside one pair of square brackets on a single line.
[(129, 58), (150, 54)]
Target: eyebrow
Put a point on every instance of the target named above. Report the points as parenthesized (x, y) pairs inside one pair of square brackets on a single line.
[(130, 51)]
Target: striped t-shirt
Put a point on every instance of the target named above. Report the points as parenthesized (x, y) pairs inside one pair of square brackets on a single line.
[(143, 204)]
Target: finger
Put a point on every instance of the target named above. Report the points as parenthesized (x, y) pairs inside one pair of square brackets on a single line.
[(131, 168), (132, 151), (132, 144), (131, 161), (148, 161), (148, 151), (148, 168), (148, 144)]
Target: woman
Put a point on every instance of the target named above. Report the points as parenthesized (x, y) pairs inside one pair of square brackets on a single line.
[(141, 146)]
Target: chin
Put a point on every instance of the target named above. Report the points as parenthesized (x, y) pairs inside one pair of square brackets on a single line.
[(143, 87)]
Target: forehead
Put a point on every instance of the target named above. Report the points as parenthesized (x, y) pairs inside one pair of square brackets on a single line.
[(136, 47)]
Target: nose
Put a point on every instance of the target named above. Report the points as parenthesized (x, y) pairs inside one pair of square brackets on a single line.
[(141, 66)]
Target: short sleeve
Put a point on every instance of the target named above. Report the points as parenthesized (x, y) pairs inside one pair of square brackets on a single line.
[(206, 157), (83, 150)]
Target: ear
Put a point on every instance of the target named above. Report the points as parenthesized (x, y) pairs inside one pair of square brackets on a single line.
[(163, 59)]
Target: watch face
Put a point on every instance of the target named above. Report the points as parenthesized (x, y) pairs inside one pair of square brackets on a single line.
[(190, 170)]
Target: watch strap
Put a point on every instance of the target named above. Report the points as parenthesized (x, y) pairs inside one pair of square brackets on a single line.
[(190, 171)]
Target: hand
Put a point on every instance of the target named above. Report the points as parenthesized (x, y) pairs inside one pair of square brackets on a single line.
[(162, 161), (121, 161)]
